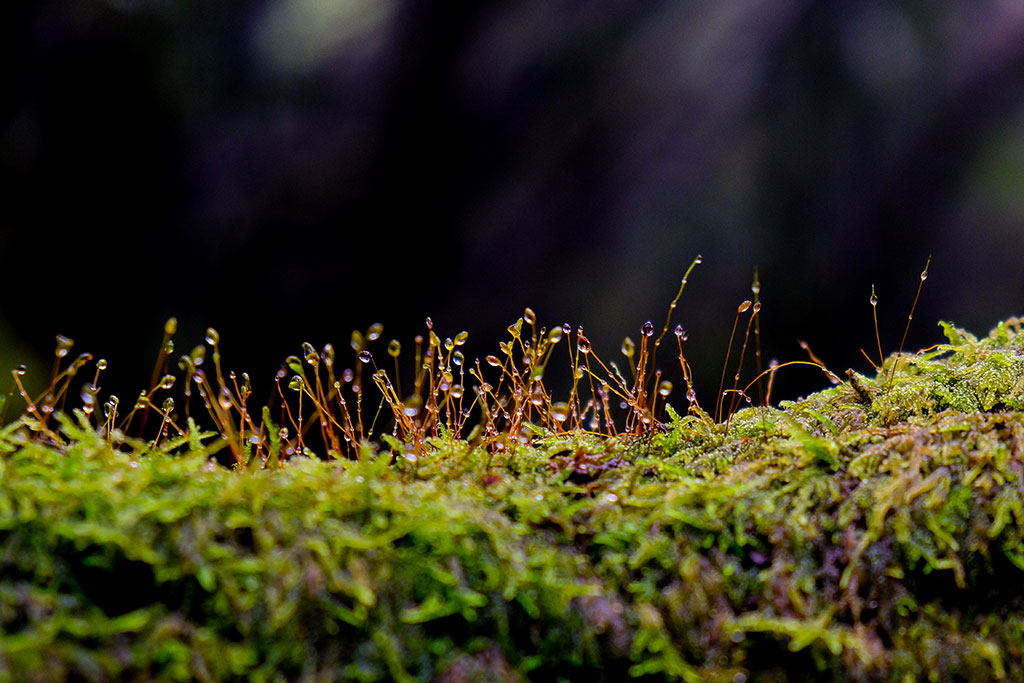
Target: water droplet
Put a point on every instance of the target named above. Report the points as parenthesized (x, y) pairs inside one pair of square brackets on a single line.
[(493, 361), (347, 375), (582, 343), (168, 404), (295, 383), (537, 397), (198, 376), (212, 337), (458, 358), (757, 307), (64, 344), (555, 335), (559, 412), (874, 298), (309, 353), (101, 364), (167, 381), (358, 342), (456, 391), (171, 326), (529, 316), (224, 398), (691, 395), (412, 405), (169, 349), (566, 328), (537, 374), (680, 332), (21, 370), (448, 344), (648, 329), (430, 323), (924, 275), (628, 348), (283, 433), (743, 307), (461, 338), (365, 357), (374, 331), (394, 348), (665, 388), (756, 287)]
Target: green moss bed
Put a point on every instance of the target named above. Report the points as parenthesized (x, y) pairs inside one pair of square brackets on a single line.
[(872, 531)]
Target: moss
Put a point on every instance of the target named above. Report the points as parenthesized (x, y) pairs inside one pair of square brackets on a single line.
[(872, 531)]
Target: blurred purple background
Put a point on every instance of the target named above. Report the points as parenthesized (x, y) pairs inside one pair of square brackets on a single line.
[(289, 170)]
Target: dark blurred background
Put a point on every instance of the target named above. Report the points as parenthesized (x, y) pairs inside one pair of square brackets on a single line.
[(290, 170)]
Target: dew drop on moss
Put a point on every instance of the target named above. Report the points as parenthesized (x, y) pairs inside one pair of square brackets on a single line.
[(559, 412), (224, 398), (365, 357), (64, 345), (374, 331), (394, 348), (212, 336)]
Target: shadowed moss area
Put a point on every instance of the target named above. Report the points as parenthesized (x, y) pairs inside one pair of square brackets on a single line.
[(872, 531)]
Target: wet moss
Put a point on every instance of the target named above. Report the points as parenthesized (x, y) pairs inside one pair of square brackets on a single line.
[(872, 531)]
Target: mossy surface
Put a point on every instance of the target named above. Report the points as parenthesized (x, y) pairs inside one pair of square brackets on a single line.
[(872, 531)]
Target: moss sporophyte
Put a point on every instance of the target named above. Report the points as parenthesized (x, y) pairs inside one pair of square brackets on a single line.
[(461, 522)]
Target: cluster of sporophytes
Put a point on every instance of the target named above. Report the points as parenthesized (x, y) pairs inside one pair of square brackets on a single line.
[(464, 524)]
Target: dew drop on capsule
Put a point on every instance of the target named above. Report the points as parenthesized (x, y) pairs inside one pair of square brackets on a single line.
[(456, 391), (394, 348), (21, 370), (874, 297), (64, 344), (742, 308), (198, 376), (491, 360), (295, 383), (458, 358), (566, 328), (559, 412), (101, 364), (365, 357), (212, 337), (665, 388), (648, 328), (167, 382), (756, 287), (583, 344), (461, 338), (628, 347), (224, 398), (168, 404), (555, 335), (347, 375), (529, 316), (699, 259), (374, 331)]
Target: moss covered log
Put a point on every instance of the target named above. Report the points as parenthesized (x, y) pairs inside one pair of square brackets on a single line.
[(872, 531)]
